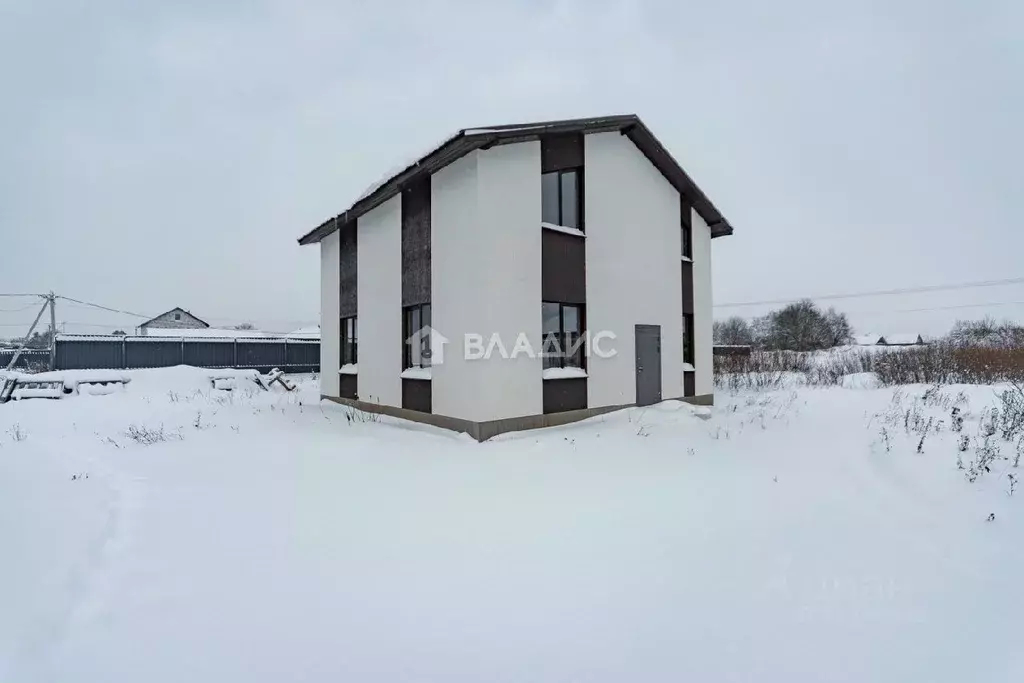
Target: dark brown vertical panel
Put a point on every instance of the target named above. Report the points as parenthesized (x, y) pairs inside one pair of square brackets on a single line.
[(349, 386), (416, 395), (689, 384), (559, 152), (416, 243), (561, 395), (687, 287), (563, 268), (348, 256)]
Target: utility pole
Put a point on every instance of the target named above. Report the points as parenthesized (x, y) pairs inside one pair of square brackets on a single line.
[(14, 358), (53, 330)]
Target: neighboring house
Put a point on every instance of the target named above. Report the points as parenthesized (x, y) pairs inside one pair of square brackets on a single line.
[(176, 318), (519, 238), (901, 340), (868, 340), (311, 332)]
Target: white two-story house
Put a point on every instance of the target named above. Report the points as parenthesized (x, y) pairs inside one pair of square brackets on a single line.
[(521, 276)]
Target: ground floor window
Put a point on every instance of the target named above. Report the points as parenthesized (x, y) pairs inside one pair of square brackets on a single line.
[(416, 333), (562, 328), (688, 338), (349, 341)]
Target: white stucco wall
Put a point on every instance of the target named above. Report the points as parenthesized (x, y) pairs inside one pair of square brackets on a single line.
[(633, 267), (454, 283), (330, 325), (379, 284), (509, 200), (703, 315), (485, 279)]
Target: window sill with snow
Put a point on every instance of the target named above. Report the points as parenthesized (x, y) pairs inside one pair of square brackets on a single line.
[(564, 373), (561, 228)]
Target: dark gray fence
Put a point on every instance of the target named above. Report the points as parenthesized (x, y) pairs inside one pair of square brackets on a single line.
[(124, 353), (31, 360)]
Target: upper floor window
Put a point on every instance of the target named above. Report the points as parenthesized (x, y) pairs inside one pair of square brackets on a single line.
[(349, 341), (686, 225), (560, 198), (177, 316), (562, 329), (416, 333)]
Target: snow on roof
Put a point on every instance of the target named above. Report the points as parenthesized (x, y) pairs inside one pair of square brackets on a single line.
[(177, 333), (902, 338), (406, 163), (311, 332), (867, 339)]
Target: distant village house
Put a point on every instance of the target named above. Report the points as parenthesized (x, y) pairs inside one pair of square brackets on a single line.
[(174, 319), (890, 340)]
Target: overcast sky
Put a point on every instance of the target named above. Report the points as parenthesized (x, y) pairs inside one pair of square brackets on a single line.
[(169, 154)]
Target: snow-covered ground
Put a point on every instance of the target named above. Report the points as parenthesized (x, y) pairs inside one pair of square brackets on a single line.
[(795, 535)]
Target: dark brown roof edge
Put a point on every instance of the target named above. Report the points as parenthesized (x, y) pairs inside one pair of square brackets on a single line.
[(469, 139)]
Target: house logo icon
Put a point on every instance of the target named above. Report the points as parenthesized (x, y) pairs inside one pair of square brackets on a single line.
[(428, 344)]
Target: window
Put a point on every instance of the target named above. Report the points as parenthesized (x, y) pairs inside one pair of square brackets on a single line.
[(688, 338), (562, 329), (416, 333), (687, 241), (349, 341), (177, 316), (560, 198)]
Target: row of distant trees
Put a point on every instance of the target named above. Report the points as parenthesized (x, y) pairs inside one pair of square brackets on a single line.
[(803, 326), (987, 332), (800, 326)]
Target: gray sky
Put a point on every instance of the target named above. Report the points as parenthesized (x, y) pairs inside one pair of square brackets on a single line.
[(164, 154)]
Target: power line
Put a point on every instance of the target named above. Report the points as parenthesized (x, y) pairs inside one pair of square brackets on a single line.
[(104, 308), (880, 292), (17, 310), (943, 308)]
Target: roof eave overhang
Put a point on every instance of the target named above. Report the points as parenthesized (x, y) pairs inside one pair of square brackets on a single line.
[(466, 141)]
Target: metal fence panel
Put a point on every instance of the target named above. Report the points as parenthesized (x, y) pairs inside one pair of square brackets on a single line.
[(254, 353), (33, 360), (102, 352), (209, 354), (90, 354), (152, 354)]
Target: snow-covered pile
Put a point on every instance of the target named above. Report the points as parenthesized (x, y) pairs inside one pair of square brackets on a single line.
[(173, 531)]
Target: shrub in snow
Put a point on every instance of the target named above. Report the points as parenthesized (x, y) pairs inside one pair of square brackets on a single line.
[(985, 453), (17, 433), (1011, 422), (148, 436), (949, 364)]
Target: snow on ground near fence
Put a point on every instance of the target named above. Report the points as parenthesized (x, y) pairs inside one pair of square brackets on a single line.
[(172, 532)]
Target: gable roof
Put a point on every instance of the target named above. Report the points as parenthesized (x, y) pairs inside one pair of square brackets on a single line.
[(470, 139), (176, 308), (902, 339), (867, 339)]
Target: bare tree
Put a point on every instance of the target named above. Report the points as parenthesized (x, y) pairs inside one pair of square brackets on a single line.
[(733, 331), (802, 326), (245, 326), (838, 330)]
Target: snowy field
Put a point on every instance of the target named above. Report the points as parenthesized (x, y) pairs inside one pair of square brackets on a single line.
[(168, 531)]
